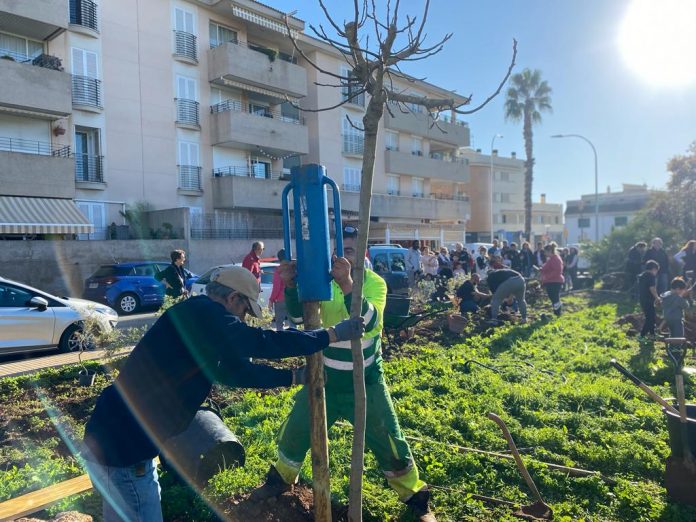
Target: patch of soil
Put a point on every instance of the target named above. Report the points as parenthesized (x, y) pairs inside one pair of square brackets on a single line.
[(292, 506), (67, 516)]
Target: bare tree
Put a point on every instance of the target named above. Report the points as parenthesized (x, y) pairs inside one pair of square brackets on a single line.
[(374, 48)]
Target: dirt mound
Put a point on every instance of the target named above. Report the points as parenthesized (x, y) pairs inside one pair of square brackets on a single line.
[(292, 506), (67, 516)]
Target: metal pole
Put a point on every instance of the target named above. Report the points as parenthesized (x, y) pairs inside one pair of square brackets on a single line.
[(596, 176), (318, 430), (491, 180)]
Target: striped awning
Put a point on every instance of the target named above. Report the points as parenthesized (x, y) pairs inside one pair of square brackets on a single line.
[(20, 215)]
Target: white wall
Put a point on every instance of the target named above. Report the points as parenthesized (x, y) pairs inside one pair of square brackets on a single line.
[(606, 225)]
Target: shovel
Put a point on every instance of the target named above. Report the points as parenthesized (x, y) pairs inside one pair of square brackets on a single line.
[(540, 510), (678, 361), (649, 391)]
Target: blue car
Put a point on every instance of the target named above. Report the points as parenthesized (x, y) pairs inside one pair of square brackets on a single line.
[(127, 287)]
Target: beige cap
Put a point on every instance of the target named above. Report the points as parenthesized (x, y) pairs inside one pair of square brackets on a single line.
[(240, 279)]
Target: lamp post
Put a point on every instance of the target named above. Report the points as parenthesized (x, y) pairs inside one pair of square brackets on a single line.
[(491, 158), (596, 179)]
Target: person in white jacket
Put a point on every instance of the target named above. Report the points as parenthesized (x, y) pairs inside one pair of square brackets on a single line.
[(414, 265)]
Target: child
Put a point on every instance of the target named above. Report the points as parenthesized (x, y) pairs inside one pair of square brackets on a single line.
[(673, 305), (647, 288)]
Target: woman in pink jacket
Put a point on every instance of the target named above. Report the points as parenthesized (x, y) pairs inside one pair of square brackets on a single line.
[(552, 276)]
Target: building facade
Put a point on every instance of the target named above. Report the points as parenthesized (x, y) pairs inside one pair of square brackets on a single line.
[(616, 209), (497, 204), (192, 104)]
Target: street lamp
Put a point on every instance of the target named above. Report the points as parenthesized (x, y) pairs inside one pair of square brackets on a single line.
[(491, 158), (596, 184)]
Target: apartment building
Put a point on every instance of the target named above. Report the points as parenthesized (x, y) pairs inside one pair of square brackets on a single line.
[(616, 209), (497, 204), (191, 104)]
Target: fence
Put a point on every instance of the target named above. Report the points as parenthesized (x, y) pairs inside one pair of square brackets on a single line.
[(43, 148)]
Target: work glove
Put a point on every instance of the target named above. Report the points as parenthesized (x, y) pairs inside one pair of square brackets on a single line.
[(349, 329)]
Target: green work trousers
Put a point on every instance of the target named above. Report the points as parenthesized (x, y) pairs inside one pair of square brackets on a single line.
[(382, 436)]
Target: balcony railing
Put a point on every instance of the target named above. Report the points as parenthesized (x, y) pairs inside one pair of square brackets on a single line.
[(259, 49), (393, 192), (42, 148), (451, 197), (187, 112), (86, 91), (84, 13), (418, 194), (349, 187), (265, 112), (249, 172), (89, 168), (189, 177), (185, 45), (353, 144)]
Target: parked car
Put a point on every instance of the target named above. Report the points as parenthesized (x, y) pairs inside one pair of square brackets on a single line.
[(268, 269), (31, 319), (389, 261), (128, 286)]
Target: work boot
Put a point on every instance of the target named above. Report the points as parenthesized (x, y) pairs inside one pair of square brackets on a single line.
[(420, 506), (273, 487)]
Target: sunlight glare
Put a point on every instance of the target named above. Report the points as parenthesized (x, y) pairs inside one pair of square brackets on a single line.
[(658, 41)]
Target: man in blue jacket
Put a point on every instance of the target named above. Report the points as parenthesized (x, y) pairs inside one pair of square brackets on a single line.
[(171, 371)]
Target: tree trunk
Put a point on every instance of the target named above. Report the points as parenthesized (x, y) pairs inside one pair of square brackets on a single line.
[(318, 430), (528, 175), (373, 115)]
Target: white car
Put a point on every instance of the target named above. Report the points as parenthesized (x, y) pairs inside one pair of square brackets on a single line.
[(33, 320), (267, 270)]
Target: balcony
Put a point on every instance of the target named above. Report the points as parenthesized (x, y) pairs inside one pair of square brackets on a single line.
[(187, 114), (86, 93), (36, 86), (83, 17), (353, 144), (254, 171), (36, 19), (185, 47), (189, 178), (89, 169), (238, 63), (236, 191), (387, 206), (35, 169), (235, 125), (396, 162), (421, 124)]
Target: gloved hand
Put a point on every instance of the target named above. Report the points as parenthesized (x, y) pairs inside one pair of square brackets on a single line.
[(349, 329), (299, 375)]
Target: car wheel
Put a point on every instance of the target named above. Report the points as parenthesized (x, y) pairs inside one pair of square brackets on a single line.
[(127, 303), (70, 340)]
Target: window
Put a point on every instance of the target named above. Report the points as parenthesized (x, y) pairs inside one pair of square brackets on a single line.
[(85, 63), (504, 218), (188, 153), (502, 176), (583, 222), (186, 101), (350, 90), (290, 162), (220, 34), (13, 297), (393, 185), (261, 169), (260, 110), (501, 197), (183, 20), (289, 113), (21, 49), (353, 139), (380, 263), (86, 88), (391, 140), (95, 214), (620, 221), (145, 270), (351, 179), (88, 160), (556, 220), (418, 187), (416, 146), (186, 88), (398, 262)]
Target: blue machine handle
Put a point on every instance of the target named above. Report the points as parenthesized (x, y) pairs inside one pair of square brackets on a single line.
[(337, 216), (286, 222)]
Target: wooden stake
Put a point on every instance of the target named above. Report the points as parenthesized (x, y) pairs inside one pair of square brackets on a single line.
[(318, 430)]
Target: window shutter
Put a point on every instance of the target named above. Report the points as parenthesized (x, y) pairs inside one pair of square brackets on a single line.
[(78, 62)]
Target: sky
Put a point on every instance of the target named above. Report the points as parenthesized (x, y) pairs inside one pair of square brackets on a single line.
[(635, 126)]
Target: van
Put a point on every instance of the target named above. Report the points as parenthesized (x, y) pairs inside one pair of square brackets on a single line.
[(389, 262)]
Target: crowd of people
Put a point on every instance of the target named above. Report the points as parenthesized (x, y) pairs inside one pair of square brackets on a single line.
[(504, 267), (648, 278)]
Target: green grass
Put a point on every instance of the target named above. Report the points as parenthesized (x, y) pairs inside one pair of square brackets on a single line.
[(570, 408)]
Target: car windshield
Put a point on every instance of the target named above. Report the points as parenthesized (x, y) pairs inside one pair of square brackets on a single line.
[(205, 278)]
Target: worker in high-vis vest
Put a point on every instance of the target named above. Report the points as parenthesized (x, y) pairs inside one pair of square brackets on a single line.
[(383, 435)]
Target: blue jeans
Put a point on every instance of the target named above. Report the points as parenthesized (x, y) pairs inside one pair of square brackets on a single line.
[(129, 494), (662, 283), (468, 307)]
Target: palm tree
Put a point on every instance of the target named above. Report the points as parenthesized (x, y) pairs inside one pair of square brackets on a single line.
[(527, 98)]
